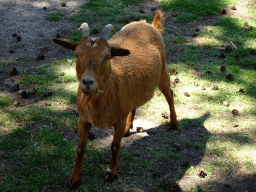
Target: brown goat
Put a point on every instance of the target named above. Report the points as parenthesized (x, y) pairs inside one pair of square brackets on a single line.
[(117, 76)]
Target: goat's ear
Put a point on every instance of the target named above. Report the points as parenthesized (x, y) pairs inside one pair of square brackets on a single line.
[(66, 43), (115, 51)]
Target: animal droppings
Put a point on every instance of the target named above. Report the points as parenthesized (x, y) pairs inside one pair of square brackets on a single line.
[(230, 77), (40, 56), (201, 173), (235, 112), (215, 87), (222, 68), (14, 71)]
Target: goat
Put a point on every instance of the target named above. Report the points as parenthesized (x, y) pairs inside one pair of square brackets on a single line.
[(116, 76)]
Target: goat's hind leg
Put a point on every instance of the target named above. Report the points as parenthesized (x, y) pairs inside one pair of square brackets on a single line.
[(83, 131), (129, 122), (164, 86)]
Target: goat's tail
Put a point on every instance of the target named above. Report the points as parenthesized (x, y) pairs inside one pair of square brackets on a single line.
[(157, 22)]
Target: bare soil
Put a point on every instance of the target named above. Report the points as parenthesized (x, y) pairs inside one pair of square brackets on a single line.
[(26, 18)]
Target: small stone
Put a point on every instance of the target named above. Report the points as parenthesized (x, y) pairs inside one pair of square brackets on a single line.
[(201, 173), (24, 93), (48, 93), (176, 80), (140, 130), (18, 38), (196, 83), (222, 55), (194, 34), (197, 29), (63, 4), (11, 51), (235, 112), (225, 103), (156, 175), (14, 71), (174, 14), (203, 87), (172, 85), (62, 73), (57, 35), (60, 81), (227, 185), (222, 68), (158, 93), (15, 87), (241, 90), (177, 146), (249, 28), (153, 8), (142, 11), (228, 48), (174, 71), (40, 56), (233, 7), (237, 56), (16, 103), (246, 23), (230, 77), (164, 115), (215, 87), (33, 91), (223, 11), (95, 31), (47, 104), (235, 125), (186, 94), (69, 61)]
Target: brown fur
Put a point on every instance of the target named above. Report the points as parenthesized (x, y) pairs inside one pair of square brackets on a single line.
[(121, 85)]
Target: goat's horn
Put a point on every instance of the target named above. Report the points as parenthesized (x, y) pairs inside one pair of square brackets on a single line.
[(106, 30), (85, 29)]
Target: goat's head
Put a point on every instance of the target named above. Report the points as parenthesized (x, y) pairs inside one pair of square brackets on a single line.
[(93, 57)]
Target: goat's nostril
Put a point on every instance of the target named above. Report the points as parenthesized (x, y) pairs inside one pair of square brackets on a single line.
[(88, 82)]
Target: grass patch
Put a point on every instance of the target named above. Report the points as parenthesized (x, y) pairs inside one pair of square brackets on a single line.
[(54, 16), (179, 40), (19, 45), (192, 10), (5, 101)]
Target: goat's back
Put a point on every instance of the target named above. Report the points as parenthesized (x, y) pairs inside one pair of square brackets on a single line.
[(136, 76)]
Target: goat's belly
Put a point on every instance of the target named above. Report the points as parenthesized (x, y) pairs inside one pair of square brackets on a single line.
[(100, 121)]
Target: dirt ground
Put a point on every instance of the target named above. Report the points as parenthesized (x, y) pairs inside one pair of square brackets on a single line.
[(26, 18)]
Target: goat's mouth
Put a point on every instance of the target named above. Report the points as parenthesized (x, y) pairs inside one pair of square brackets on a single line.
[(87, 92)]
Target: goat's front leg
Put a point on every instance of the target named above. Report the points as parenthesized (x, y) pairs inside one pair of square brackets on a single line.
[(111, 172), (83, 131)]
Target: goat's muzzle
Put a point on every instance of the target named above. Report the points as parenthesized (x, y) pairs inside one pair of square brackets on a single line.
[(88, 85)]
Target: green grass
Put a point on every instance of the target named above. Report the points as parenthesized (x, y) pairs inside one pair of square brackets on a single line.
[(19, 45), (192, 10), (54, 16), (179, 40)]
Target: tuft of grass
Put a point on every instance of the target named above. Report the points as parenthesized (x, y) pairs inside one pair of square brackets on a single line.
[(179, 40), (5, 101), (19, 45), (54, 16)]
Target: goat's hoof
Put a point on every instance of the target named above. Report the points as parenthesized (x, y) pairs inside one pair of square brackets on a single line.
[(127, 134), (73, 183), (110, 176)]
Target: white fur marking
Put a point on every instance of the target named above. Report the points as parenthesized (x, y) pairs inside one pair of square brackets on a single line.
[(89, 44), (109, 170), (94, 45)]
